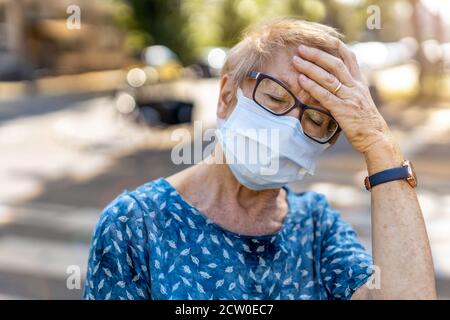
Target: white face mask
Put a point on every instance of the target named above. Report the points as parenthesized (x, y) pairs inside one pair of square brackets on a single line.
[(265, 151)]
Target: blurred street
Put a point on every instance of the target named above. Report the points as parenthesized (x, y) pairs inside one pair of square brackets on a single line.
[(63, 158)]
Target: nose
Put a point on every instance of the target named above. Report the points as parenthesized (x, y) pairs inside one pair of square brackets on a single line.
[(295, 113)]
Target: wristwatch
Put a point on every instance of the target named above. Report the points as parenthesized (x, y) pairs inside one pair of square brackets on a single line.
[(404, 172)]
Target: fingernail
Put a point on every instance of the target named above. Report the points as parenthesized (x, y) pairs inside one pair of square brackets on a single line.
[(297, 59), (302, 77)]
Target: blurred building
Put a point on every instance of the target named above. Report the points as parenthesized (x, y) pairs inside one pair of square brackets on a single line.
[(35, 40)]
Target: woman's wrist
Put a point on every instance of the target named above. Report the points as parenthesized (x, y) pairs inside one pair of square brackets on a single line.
[(382, 155)]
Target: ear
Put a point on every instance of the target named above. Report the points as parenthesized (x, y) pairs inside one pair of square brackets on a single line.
[(227, 97)]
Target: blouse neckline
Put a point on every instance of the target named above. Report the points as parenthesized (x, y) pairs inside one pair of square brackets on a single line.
[(193, 210)]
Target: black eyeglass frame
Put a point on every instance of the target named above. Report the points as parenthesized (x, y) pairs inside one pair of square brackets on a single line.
[(258, 76)]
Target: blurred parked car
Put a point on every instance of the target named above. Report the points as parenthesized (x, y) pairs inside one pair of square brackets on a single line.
[(135, 99), (13, 68), (159, 91)]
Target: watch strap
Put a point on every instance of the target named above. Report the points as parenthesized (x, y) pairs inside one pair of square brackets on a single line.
[(397, 173)]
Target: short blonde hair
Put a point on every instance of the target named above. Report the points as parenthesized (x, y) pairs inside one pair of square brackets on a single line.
[(261, 41)]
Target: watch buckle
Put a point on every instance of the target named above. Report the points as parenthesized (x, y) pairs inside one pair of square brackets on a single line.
[(367, 183)]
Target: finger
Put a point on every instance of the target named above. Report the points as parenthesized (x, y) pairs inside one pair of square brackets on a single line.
[(321, 77), (316, 73), (325, 97), (328, 62), (350, 60)]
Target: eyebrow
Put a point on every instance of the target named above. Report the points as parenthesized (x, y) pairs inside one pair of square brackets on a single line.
[(284, 82)]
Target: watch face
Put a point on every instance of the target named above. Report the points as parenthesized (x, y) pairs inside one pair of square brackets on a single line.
[(412, 178)]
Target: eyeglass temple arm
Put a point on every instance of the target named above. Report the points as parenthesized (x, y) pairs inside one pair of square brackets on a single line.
[(253, 75)]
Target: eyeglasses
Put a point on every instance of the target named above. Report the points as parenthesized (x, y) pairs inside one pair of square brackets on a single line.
[(272, 95)]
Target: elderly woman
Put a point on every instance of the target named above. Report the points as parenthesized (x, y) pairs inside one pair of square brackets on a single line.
[(234, 230)]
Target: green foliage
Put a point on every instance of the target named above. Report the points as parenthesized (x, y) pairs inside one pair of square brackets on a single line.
[(158, 22), (186, 26)]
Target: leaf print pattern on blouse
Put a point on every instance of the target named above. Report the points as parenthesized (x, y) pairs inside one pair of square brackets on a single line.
[(151, 244)]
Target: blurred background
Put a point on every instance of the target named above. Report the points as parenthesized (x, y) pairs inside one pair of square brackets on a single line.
[(87, 111)]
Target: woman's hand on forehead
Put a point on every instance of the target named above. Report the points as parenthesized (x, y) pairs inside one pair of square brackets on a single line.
[(336, 84)]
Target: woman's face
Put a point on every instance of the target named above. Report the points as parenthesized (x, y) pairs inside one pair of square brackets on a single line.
[(281, 68)]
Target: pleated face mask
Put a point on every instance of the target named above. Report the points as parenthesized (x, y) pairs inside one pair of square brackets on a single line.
[(265, 151)]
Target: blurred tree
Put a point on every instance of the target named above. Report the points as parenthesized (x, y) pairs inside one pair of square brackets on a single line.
[(234, 18), (312, 10), (186, 26), (431, 72), (158, 22)]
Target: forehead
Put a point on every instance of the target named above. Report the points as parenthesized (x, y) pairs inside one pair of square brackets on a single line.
[(280, 66)]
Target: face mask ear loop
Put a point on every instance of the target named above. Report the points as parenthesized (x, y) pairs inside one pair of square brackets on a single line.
[(239, 93), (220, 122)]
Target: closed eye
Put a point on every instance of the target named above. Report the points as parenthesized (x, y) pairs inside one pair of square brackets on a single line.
[(315, 121), (275, 99)]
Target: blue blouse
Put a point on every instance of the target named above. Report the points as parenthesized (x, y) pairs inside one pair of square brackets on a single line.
[(151, 244)]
